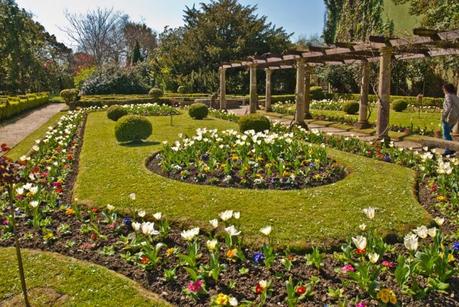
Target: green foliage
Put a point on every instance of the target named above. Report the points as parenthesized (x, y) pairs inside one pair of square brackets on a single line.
[(155, 93), (83, 75), (69, 95), (198, 111), (316, 93), (133, 128), (182, 89), (256, 122), (14, 105), (136, 56), (113, 79), (115, 112), (399, 105), (351, 107), (30, 58)]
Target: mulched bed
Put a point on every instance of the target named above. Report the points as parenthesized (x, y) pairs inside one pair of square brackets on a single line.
[(331, 173)]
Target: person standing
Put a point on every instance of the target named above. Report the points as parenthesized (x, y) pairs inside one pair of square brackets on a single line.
[(449, 115)]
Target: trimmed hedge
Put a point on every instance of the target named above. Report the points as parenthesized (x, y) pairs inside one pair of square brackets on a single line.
[(351, 107), (115, 112), (109, 100), (198, 110), (155, 93), (256, 122), (399, 105), (14, 105), (426, 101), (133, 128)]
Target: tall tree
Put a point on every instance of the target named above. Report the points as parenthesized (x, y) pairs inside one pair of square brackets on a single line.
[(99, 33), (143, 36)]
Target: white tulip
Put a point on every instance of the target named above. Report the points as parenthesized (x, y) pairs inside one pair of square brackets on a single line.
[(362, 227), (132, 196), (36, 148), (214, 223), (136, 226), (237, 215), (190, 234), (211, 244), (369, 212), (411, 242), (33, 190), (20, 191), (373, 257), (34, 204), (141, 213), (233, 301), (421, 232), (360, 242), (232, 231), (149, 229), (226, 215), (158, 216), (266, 230), (439, 220), (432, 232), (110, 207)]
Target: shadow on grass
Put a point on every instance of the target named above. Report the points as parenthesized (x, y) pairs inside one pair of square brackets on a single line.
[(140, 144)]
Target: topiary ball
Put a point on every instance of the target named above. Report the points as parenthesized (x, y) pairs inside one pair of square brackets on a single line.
[(256, 122), (133, 128), (155, 93), (399, 105), (316, 93), (351, 107), (198, 110), (182, 89), (115, 112)]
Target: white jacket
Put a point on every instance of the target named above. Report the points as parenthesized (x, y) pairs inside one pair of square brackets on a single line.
[(450, 112)]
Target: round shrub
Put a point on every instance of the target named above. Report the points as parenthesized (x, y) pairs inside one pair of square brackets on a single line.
[(182, 89), (399, 105), (256, 122), (316, 93), (155, 93), (70, 97), (198, 110), (115, 112), (351, 107), (133, 128)]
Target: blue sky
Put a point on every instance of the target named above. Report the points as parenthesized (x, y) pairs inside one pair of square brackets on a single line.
[(303, 17)]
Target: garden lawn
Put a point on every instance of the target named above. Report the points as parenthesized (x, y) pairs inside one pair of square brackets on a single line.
[(423, 120), (109, 172), (23, 147), (83, 283)]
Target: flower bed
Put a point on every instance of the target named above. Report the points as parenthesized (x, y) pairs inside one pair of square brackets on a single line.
[(249, 160), (200, 268)]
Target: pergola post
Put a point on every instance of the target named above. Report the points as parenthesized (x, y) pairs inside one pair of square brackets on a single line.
[(300, 99), (307, 96), (364, 90), (269, 73), (456, 127), (222, 89), (253, 89), (382, 125)]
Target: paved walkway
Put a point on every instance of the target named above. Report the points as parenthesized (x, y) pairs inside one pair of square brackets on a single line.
[(15, 130), (337, 131)]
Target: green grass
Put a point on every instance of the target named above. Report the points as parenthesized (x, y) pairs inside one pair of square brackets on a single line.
[(26, 144), (85, 284), (110, 172)]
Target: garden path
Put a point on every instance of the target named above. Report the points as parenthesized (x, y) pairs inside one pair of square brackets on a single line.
[(15, 130), (243, 110)]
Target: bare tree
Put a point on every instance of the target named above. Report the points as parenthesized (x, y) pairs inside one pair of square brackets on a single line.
[(98, 33)]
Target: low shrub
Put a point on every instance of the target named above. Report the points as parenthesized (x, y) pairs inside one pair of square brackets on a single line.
[(399, 105), (70, 97), (198, 110), (155, 93), (316, 93), (133, 128), (13, 105), (115, 112), (351, 107), (182, 89), (256, 122)]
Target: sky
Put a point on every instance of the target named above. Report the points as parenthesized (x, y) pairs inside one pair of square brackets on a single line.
[(301, 17)]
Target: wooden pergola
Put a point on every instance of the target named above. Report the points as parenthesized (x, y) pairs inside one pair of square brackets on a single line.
[(424, 43)]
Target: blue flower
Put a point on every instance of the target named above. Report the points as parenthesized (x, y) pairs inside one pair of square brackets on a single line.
[(387, 158), (258, 257), (127, 221), (312, 165), (456, 246)]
